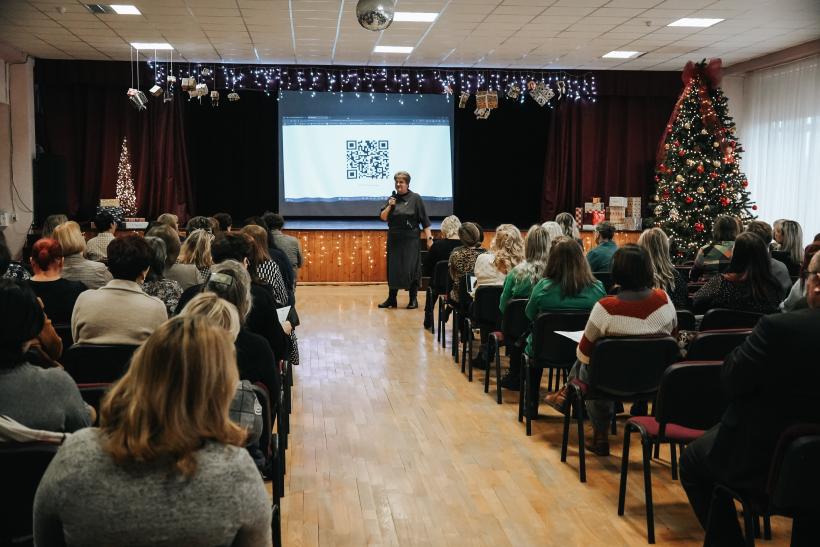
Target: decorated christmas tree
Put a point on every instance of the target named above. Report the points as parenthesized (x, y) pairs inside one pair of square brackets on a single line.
[(125, 183), (698, 166)]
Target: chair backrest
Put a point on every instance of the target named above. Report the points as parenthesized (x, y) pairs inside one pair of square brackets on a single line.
[(631, 364), (691, 395), (64, 332), (606, 279), (92, 394), (686, 320), (441, 278), (797, 477), (554, 350), (464, 298), (715, 345), (93, 363), (21, 467), (485, 306), (721, 318), (684, 271), (514, 322), (261, 392)]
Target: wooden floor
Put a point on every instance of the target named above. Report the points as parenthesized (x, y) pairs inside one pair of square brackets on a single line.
[(390, 445)]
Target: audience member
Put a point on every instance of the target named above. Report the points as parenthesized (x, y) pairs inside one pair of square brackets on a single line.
[(789, 236), (713, 258), (796, 300), (97, 246), (166, 465), (506, 251), (636, 310), (119, 312), (9, 269), (225, 221), (600, 256), (196, 250), (199, 223), (774, 246), (185, 274), (553, 229), (276, 254), (779, 270), (156, 284), (58, 295), (569, 227), (656, 243), (748, 283), (170, 220), (75, 267), (462, 259), (523, 277), (288, 244), (438, 251), (738, 451), (51, 222), (263, 268), (37, 397)]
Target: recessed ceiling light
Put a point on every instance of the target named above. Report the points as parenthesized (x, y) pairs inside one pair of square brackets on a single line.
[(125, 9), (415, 16), (151, 45), (393, 49), (694, 22), (622, 54)]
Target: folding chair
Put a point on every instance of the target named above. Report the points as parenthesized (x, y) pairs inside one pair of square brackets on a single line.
[(486, 317), (514, 324)]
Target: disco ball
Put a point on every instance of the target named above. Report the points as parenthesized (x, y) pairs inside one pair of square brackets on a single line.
[(375, 15)]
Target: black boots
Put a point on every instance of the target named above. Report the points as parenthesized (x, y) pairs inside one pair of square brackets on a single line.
[(391, 300), (414, 301)]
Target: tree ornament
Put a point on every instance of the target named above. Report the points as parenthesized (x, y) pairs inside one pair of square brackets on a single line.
[(745, 183), (724, 201), (678, 189), (687, 125), (716, 163), (700, 168), (716, 144), (713, 175), (688, 199), (704, 132), (681, 152), (701, 190), (666, 146), (754, 207), (723, 186), (658, 210), (699, 227), (679, 178), (375, 15)]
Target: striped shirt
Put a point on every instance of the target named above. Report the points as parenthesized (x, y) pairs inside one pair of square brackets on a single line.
[(612, 316)]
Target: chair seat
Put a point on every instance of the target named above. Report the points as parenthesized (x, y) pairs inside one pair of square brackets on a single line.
[(674, 433)]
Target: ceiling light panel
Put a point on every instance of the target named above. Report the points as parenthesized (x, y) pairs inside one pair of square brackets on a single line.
[(151, 45), (392, 49), (415, 16), (694, 22), (622, 55), (125, 9)]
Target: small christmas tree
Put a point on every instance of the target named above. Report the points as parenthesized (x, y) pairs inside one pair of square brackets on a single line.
[(698, 174), (125, 183)]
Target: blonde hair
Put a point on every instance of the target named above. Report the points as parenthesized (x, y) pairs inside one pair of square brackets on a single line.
[(792, 240), (217, 310), (174, 397), (197, 249), (656, 243), (450, 226), (169, 219), (536, 253), (568, 225), (70, 237), (553, 229), (507, 247), (237, 291)]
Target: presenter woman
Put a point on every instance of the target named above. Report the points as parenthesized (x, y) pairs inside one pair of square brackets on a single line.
[(403, 213)]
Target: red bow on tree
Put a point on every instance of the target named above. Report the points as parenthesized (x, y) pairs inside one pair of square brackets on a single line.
[(711, 72)]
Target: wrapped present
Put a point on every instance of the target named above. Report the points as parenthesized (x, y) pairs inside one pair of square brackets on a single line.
[(579, 216), (596, 200), (633, 207), (598, 216), (115, 211), (616, 214), (617, 201)]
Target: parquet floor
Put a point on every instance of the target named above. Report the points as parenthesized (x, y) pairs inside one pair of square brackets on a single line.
[(391, 445)]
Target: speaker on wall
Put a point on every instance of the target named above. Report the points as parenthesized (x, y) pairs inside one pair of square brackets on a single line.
[(50, 196)]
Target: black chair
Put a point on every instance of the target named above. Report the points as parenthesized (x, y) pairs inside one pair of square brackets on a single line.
[(606, 280), (21, 467), (715, 345), (721, 318), (269, 442), (550, 351), (621, 369), (64, 332), (514, 325), (679, 419), (92, 394), (795, 481), (444, 310), (686, 320), (92, 363), (439, 285), (461, 310), (485, 317)]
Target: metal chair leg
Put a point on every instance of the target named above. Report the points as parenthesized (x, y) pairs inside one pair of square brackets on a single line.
[(582, 456), (497, 374), (674, 457), (646, 444), (624, 470)]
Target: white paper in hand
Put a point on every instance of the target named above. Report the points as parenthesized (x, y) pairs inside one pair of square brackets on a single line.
[(574, 335), (283, 313)]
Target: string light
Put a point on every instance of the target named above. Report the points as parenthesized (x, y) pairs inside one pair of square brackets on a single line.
[(125, 183)]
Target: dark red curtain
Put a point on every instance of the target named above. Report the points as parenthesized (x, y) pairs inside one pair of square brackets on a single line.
[(82, 116)]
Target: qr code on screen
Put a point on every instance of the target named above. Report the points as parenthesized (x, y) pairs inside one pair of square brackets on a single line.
[(368, 159)]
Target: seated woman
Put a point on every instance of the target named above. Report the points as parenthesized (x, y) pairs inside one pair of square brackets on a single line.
[(39, 398), (789, 236), (748, 283), (167, 465), (51, 222), (656, 243), (57, 294), (75, 267), (156, 284), (196, 250), (568, 285), (569, 227), (440, 250), (120, 313), (462, 259), (553, 229), (713, 258), (636, 310), (263, 268), (506, 251), (797, 295), (185, 274)]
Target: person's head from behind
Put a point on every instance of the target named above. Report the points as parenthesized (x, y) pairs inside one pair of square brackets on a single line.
[(70, 237), (275, 221), (537, 245), (198, 223), (656, 243), (808, 255), (750, 260), (129, 258), (158, 258), (21, 321), (568, 225), (604, 231), (51, 222), (813, 282), (450, 226), (170, 220), (632, 268), (567, 267), (256, 221), (792, 240), (216, 310), (230, 280), (725, 228), (469, 235), (104, 221), (225, 221), (232, 246), (259, 236), (170, 237), (777, 232), (508, 247), (197, 249), (47, 256), (760, 229), (174, 397), (553, 229)]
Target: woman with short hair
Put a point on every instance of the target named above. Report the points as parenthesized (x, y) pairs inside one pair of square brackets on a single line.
[(75, 267), (156, 284), (196, 250), (462, 259), (505, 252), (166, 466), (57, 293), (656, 243)]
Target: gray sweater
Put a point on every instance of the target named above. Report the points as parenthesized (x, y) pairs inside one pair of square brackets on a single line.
[(42, 398), (86, 499)]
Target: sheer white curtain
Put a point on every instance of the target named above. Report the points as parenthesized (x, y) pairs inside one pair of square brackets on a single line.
[(781, 136)]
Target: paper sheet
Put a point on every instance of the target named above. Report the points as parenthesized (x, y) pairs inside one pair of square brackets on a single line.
[(283, 313), (574, 335)]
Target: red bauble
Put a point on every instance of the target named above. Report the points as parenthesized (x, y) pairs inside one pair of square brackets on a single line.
[(662, 168), (688, 199), (745, 183), (713, 175), (700, 168), (676, 143), (723, 186), (665, 194), (724, 201), (678, 189), (681, 153), (657, 179), (699, 227), (754, 207)]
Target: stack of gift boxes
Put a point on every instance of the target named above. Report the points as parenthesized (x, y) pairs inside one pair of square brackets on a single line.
[(623, 212)]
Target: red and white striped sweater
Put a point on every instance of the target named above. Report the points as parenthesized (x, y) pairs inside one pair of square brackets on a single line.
[(612, 316)]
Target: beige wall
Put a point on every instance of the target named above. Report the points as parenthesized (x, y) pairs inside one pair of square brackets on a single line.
[(17, 150)]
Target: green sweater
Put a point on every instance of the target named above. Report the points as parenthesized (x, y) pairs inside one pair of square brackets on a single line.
[(600, 258), (515, 286), (546, 296)]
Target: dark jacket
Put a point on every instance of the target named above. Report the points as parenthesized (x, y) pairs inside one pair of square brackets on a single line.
[(439, 250)]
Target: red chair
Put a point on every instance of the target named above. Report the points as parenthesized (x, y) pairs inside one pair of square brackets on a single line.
[(678, 420)]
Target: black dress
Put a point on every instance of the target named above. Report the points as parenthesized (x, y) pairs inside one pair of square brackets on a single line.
[(403, 256)]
